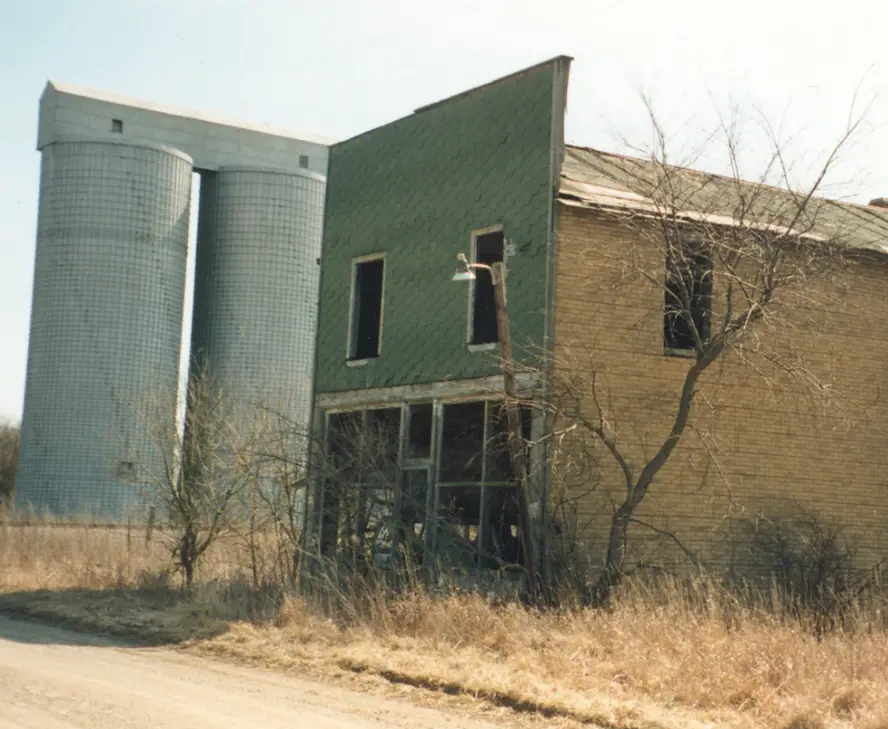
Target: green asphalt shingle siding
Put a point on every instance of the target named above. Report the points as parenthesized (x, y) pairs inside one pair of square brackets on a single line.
[(414, 190)]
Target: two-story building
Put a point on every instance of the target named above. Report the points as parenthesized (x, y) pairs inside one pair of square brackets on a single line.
[(408, 384)]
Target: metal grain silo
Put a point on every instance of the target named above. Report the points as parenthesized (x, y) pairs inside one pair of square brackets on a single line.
[(106, 322), (256, 286)]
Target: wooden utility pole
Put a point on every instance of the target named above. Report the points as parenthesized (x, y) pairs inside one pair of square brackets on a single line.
[(513, 416)]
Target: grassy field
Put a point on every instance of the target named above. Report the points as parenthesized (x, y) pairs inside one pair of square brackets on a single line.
[(664, 657)]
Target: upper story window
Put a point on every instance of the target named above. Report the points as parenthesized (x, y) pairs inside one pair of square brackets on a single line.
[(365, 324), (688, 296), (117, 126), (487, 248)]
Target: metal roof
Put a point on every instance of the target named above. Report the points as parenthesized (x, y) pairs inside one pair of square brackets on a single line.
[(594, 179)]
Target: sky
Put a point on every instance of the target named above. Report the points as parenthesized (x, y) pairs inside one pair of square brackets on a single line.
[(340, 67)]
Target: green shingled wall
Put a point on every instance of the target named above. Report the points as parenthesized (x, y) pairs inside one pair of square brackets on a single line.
[(415, 189)]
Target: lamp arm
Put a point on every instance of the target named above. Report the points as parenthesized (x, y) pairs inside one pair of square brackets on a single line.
[(461, 257), (491, 269)]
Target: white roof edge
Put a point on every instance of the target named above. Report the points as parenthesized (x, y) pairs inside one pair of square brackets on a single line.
[(650, 208), (170, 110)]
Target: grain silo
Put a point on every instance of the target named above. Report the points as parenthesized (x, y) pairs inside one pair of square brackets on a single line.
[(110, 278), (256, 286), (106, 321)]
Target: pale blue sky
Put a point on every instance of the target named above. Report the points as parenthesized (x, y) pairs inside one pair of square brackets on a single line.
[(339, 67)]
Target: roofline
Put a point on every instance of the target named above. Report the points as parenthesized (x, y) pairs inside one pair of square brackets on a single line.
[(685, 216), (689, 219), (472, 90), (454, 97), (170, 110), (847, 203)]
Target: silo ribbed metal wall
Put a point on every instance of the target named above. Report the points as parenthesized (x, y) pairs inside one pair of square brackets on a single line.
[(106, 323), (256, 285)]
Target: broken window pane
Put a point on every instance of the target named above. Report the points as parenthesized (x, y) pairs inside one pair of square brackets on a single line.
[(502, 537), (688, 295), (340, 476), (373, 525), (377, 465), (366, 323), (343, 433), (359, 488), (460, 504), (459, 513), (381, 441), (419, 437), (462, 442), (488, 250), (412, 522), (414, 494), (498, 456)]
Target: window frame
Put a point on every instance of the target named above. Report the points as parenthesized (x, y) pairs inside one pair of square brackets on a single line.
[(485, 484), (362, 485), (352, 329), (431, 467), (470, 318)]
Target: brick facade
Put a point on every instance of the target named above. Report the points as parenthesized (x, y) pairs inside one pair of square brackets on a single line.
[(764, 451)]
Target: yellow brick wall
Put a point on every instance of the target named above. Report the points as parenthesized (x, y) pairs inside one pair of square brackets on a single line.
[(762, 450)]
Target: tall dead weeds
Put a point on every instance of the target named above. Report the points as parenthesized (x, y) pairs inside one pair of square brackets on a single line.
[(669, 653)]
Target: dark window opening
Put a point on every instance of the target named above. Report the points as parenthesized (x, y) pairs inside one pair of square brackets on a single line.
[(376, 456), (499, 457), (382, 435), (488, 250), (343, 430), (117, 126), (126, 469), (303, 160), (414, 495), (460, 505), (477, 505), (361, 479), (688, 296), (419, 435), (502, 537), (459, 525), (367, 309), (412, 523), (462, 442)]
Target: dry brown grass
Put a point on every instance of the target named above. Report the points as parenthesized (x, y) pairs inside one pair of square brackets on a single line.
[(652, 660), (66, 556)]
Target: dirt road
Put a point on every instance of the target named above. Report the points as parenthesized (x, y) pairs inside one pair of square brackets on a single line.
[(55, 679)]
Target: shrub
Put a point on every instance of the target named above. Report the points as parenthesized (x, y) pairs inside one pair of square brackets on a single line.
[(9, 448)]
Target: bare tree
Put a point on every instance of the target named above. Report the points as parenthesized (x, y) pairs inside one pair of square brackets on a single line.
[(361, 500), (204, 472), (274, 499), (9, 448), (740, 263)]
